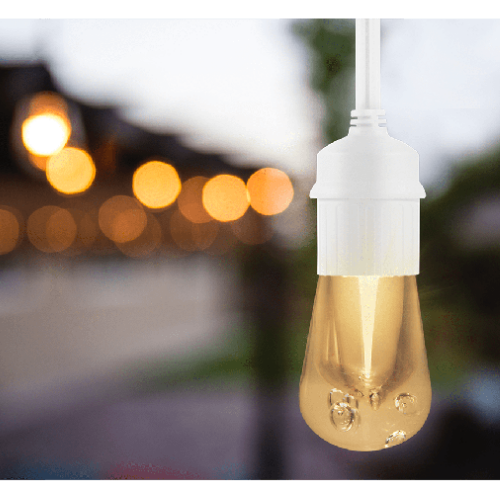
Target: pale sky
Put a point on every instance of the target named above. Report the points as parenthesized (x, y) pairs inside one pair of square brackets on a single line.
[(240, 86)]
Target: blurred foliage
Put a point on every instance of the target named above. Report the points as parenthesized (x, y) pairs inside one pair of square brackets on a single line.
[(332, 66), (459, 291)]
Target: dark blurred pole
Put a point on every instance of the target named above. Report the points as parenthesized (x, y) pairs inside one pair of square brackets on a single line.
[(265, 286)]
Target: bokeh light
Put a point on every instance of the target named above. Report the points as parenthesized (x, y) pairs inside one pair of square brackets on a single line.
[(270, 190), (225, 197), (71, 171), (45, 134), (190, 200), (48, 102), (9, 231), (147, 242), (156, 184), (87, 229), (122, 218), (51, 229), (190, 236)]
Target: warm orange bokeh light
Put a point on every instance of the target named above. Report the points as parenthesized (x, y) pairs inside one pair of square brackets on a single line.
[(147, 242), (48, 102), (156, 184), (51, 229), (270, 190), (9, 231), (70, 171), (86, 229), (45, 134), (225, 197), (190, 200), (122, 218)]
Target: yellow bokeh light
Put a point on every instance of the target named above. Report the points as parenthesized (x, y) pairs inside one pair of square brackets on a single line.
[(9, 231), (45, 134), (156, 184), (51, 229), (70, 171), (225, 197), (270, 190), (146, 243), (190, 200), (122, 218), (61, 230)]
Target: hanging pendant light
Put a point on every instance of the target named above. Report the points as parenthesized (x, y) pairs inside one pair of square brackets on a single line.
[(365, 382)]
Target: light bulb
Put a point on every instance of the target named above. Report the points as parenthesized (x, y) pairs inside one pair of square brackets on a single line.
[(365, 383)]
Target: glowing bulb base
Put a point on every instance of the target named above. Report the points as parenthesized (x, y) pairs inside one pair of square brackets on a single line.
[(365, 383)]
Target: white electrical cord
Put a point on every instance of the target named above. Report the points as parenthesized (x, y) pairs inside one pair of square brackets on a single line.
[(367, 64), (367, 111)]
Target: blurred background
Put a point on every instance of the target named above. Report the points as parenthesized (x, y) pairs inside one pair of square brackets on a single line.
[(157, 243)]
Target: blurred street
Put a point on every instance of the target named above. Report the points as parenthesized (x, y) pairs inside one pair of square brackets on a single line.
[(198, 431), (74, 404), (62, 325)]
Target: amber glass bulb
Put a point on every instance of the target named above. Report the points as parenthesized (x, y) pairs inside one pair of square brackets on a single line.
[(365, 382)]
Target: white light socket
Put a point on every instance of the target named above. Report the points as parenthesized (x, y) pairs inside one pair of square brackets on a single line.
[(368, 193)]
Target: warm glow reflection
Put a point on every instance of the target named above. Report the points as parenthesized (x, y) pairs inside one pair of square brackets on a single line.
[(86, 230), (70, 171), (45, 134), (270, 190), (48, 102), (51, 229), (190, 200), (225, 197), (9, 231), (122, 218), (156, 184), (190, 236), (147, 242)]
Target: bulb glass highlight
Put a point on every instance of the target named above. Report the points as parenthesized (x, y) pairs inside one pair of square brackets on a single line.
[(365, 382)]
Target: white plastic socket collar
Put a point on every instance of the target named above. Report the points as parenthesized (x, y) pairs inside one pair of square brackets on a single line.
[(368, 193)]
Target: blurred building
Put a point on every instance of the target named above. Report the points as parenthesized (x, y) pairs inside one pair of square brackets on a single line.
[(118, 245), (117, 149)]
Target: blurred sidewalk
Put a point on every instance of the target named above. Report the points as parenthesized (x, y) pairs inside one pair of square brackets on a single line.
[(69, 410), (79, 326)]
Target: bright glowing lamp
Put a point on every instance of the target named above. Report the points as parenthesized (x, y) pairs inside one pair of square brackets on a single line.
[(71, 171), (45, 134), (365, 383), (156, 184)]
